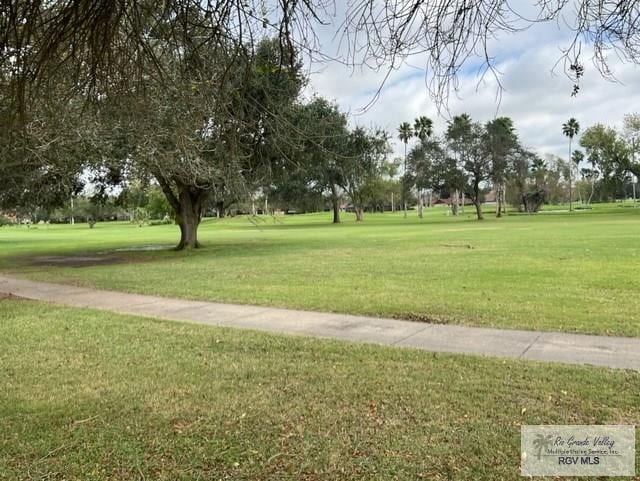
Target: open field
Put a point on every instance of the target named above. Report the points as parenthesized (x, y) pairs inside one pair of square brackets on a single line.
[(89, 395), (552, 271)]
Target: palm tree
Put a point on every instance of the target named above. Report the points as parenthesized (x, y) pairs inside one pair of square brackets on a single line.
[(538, 168), (422, 128), (570, 129), (405, 132), (576, 158)]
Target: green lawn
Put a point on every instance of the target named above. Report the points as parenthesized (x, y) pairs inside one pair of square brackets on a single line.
[(552, 271), (93, 396)]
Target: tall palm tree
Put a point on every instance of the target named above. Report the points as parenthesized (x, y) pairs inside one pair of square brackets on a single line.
[(576, 158), (405, 132), (422, 128), (570, 129), (538, 168)]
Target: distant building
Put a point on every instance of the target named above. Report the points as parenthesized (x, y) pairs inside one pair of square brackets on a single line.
[(9, 215)]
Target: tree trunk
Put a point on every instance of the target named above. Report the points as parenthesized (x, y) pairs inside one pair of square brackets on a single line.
[(420, 204), (504, 199), (478, 209), (404, 181), (220, 208), (188, 217), (499, 200), (188, 223), (359, 216), (336, 211), (578, 188), (453, 202), (186, 202), (570, 168), (335, 202), (476, 200)]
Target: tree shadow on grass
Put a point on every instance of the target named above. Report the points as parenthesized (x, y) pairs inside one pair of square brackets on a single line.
[(159, 253)]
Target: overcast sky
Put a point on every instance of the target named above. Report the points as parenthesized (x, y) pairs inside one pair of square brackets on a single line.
[(537, 99)]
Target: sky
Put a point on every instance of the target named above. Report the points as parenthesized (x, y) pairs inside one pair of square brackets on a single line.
[(537, 98)]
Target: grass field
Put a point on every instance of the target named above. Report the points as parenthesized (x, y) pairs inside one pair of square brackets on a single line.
[(94, 396), (552, 271)]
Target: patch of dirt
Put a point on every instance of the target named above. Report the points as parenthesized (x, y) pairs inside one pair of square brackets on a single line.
[(76, 261), (462, 246), (6, 296), (418, 317)]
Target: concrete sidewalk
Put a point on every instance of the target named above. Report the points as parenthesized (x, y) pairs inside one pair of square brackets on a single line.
[(616, 352)]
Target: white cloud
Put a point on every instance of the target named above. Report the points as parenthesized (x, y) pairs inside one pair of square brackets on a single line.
[(538, 100)]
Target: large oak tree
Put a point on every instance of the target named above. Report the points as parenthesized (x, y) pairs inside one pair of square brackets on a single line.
[(200, 135)]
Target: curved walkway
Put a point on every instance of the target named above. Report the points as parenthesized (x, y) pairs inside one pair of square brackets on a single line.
[(615, 352)]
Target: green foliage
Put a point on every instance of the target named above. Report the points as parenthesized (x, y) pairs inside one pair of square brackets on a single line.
[(425, 165), (468, 144), (133, 195), (577, 157), (321, 134), (422, 127), (362, 164), (157, 204), (612, 156), (140, 216), (331, 159), (211, 122), (405, 132), (608, 151), (501, 142), (571, 128), (526, 175), (378, 191)]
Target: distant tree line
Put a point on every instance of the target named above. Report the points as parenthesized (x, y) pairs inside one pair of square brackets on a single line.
[(470, 160)]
